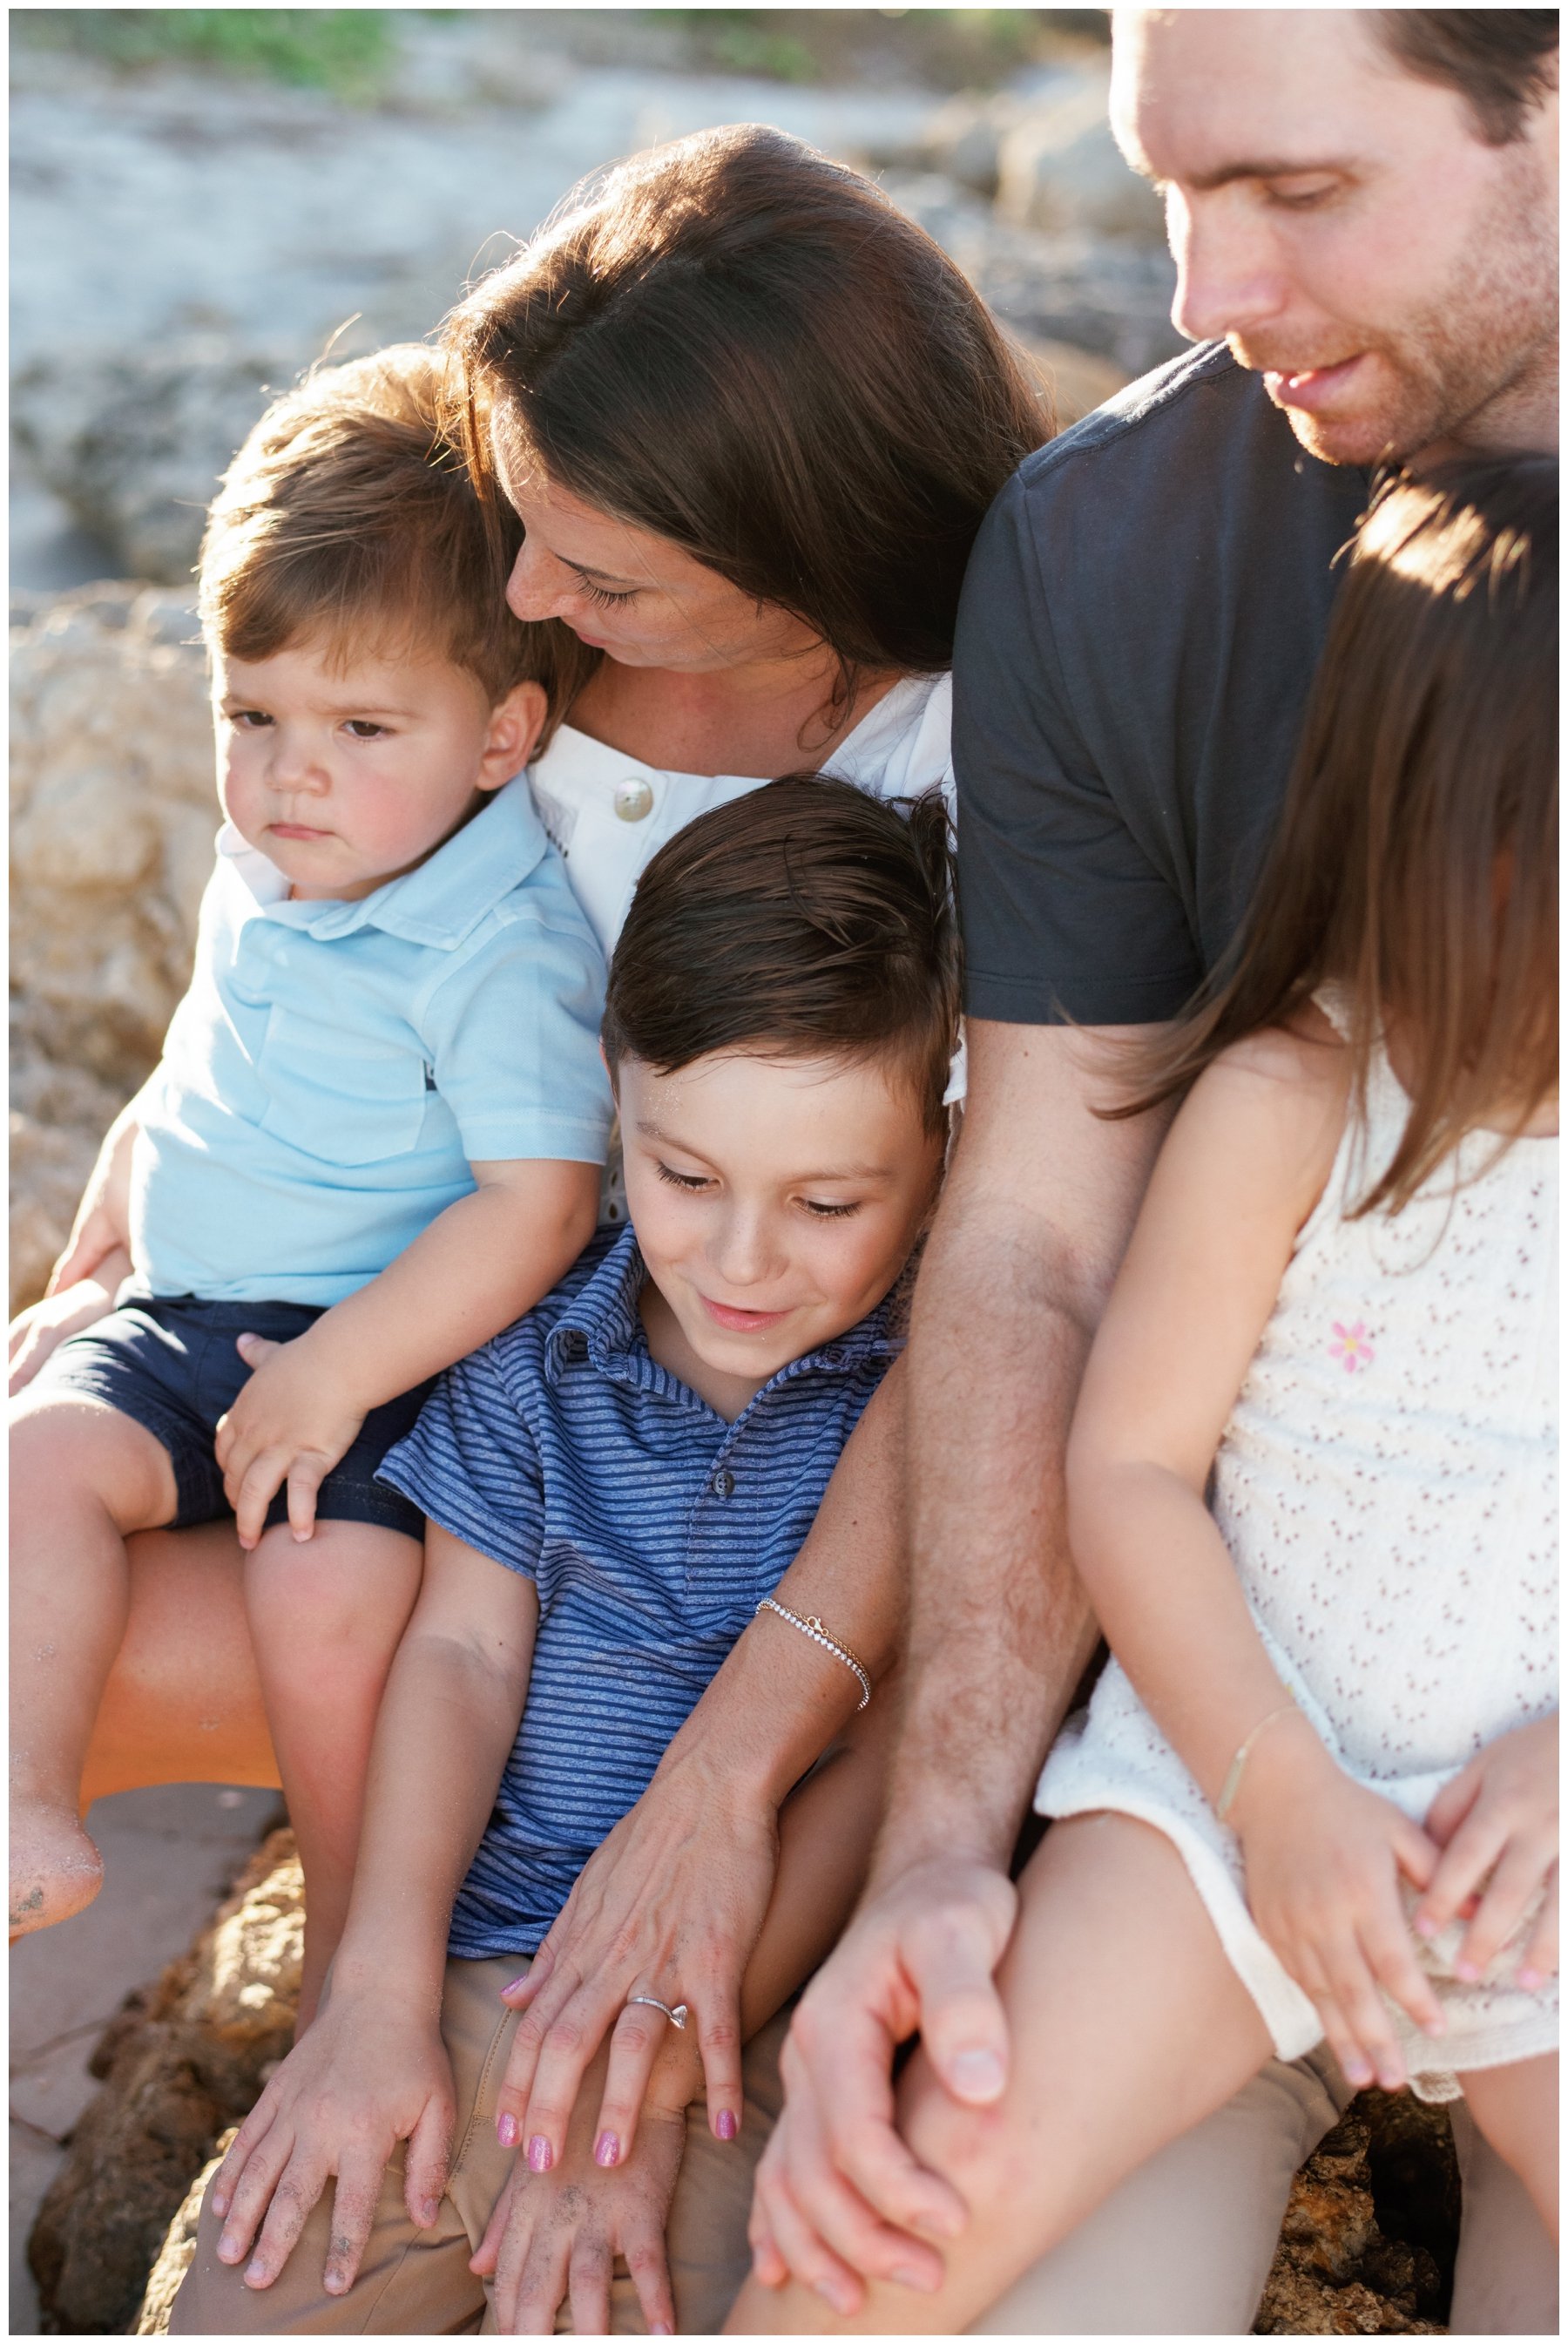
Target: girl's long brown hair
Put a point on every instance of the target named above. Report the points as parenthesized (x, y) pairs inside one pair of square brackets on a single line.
[(1415, 862)]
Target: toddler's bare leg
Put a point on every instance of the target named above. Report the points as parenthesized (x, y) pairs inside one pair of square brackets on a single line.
[(325, 1616), (1516, 2109), (82, 1476), (1128, 2026)]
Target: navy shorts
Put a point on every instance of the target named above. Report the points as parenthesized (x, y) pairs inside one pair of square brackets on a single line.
[(171, 1364)]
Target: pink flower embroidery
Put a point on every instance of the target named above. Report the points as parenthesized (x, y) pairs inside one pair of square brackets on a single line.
[(1350, 1346)]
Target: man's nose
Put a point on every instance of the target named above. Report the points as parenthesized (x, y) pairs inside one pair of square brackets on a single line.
[(1228, 273)]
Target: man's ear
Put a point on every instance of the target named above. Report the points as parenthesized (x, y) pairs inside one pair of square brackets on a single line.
[(515, 723)]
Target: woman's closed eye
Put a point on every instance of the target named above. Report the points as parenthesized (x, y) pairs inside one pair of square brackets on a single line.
[(604, 597)]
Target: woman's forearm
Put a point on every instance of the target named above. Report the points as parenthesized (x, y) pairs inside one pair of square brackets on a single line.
[(780, 1699)]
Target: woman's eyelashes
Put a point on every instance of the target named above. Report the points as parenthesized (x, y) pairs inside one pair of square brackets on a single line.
[(604, 596)]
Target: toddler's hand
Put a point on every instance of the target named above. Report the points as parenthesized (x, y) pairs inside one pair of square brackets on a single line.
[(1323, 1859), (43, 1326), (369, 2073), (558, 2234), (1496, 1822), (286, 1425)]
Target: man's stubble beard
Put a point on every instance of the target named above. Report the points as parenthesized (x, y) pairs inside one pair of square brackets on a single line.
[(1476, 366)]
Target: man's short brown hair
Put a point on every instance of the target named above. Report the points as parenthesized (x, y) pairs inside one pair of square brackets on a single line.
[(1501, 61), (348, 511)]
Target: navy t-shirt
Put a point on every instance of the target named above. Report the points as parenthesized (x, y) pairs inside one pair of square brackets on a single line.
[(1145, 606)]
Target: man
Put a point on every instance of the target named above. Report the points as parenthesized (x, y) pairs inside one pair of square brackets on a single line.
[(1362, 205)]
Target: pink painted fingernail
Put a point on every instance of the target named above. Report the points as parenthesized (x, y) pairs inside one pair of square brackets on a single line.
[(1530, 1980), (541, 2156), (607, 2150), (724, 2124), (660, 2328), (508, 2131), (1425, 1926), (1467, 1971)]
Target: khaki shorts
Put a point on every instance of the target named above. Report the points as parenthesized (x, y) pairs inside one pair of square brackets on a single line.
[(417, 2282)]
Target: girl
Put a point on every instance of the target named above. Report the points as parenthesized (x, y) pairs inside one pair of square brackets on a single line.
[(1306, 1799)]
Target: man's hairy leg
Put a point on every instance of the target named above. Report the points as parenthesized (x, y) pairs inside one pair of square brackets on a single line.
[(1037, 1213)]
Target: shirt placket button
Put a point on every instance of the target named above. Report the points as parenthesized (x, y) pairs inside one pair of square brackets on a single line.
[(633, 799), (723, 1483)]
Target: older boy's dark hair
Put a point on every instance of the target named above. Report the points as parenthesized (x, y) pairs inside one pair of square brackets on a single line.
[(348, 509), (804, 919)]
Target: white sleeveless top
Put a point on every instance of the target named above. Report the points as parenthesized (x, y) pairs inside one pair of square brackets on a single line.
[(1387, 1487), (609, 813)]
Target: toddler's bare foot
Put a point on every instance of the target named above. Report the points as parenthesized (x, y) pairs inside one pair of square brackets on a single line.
[(55, 1870)]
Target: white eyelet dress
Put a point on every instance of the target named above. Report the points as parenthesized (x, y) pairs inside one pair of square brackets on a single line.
[(1387, 1488), (609, 814)]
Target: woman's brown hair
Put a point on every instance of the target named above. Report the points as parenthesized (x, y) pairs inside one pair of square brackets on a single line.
[(1415, 862), (804, 919), (747, 350)]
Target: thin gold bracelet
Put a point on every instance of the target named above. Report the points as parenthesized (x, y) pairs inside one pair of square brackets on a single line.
[(1237, 1766), (812, 1626)]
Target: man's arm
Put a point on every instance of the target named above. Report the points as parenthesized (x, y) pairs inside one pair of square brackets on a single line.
[(1037, 1213)]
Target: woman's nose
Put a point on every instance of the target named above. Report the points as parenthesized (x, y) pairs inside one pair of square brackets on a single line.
[(541, 587)]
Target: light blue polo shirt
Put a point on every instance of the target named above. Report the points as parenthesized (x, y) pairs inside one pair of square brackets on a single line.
[(337, 1066)]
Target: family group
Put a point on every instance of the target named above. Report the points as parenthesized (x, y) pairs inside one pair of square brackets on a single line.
[(839, 1046)]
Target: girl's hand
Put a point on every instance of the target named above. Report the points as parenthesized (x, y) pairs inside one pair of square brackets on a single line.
[(671, 1904), (1496, 1822), (289, 1424), (556, 2234), (43, 1326), (1323, 1859), (369, 2073)]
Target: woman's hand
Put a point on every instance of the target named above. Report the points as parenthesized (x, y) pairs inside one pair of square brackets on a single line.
[(43, 1326), (1496, 1824), (289, 1424), (671, 1905), (372, 2071), (558, 2234), (1323, 1860)]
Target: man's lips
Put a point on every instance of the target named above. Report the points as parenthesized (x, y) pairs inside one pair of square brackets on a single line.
[(741, 1322), (1310, 387)]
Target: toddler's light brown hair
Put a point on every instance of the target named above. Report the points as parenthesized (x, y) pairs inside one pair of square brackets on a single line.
[(348, 517)]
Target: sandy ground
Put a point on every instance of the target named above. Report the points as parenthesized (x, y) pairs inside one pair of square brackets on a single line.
[(169, 1856)]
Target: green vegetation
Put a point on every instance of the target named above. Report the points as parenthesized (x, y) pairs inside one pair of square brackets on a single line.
[(345, 51)]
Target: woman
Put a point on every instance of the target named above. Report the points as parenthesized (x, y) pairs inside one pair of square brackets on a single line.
[(752, 419)]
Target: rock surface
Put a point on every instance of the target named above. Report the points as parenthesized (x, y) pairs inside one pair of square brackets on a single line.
[(1368, 2237), (112, 816), (182, 2062)]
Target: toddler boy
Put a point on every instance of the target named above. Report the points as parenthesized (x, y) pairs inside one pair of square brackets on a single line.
[(373, 1136)]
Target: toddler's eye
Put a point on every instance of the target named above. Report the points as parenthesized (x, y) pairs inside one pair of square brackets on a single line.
[(248, 720), (689, 1181), (361, 729)]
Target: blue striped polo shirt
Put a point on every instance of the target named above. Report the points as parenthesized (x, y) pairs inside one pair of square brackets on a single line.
[(651, 1529)]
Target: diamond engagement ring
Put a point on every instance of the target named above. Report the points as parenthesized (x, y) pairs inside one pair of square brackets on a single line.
[(676, 2017)]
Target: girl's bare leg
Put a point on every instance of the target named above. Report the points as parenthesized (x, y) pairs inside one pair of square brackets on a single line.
[(82, 1477), (1128, 2026), (1516, 2109), (183, 1702), (327, 1615)]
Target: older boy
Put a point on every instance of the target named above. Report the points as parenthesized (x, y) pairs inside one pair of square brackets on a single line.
[(371, 1141)]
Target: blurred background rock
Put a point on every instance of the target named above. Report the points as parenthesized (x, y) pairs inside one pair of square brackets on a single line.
[(206, 200)]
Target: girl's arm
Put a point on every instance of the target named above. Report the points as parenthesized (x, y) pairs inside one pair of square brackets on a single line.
[(1246, 1160), (479, 1265), (372, 2069)]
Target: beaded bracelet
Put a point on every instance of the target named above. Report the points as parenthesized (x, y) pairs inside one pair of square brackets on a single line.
[(812, 1626)]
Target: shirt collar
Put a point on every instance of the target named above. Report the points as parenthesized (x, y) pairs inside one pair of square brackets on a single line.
[(440, 902), (601, 1329)]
